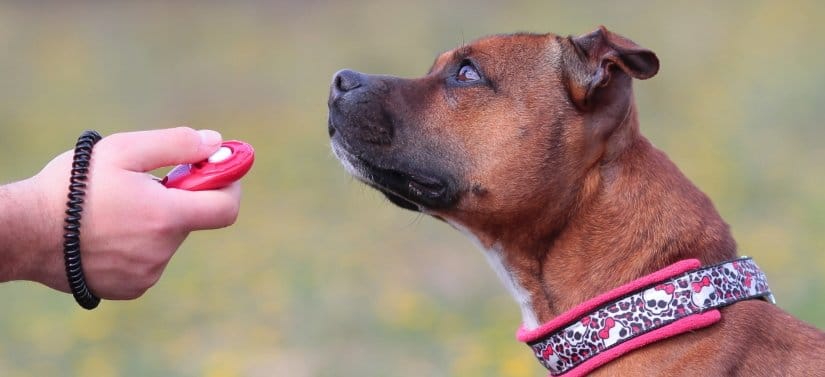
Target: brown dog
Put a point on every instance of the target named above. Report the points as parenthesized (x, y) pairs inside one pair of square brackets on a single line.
[(530, 144)]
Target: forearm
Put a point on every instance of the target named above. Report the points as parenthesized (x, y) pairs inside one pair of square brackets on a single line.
[(29, 242)]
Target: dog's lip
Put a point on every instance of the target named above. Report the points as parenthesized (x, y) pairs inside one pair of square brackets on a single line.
[(394, 181), (390, 179), (425, 186), (331, 130)]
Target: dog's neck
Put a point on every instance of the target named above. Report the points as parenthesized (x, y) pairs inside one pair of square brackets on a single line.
[(636, 214)]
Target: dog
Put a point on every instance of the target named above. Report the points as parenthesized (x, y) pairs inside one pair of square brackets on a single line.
[(530, 145)]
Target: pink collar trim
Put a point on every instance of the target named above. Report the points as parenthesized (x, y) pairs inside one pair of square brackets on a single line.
[(679, 298)]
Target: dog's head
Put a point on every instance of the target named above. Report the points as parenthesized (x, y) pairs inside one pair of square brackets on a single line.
[(501, 129)]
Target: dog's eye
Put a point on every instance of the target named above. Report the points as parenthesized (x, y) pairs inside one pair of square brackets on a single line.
[(467, 72)]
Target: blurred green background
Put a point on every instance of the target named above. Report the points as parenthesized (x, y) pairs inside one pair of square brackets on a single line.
[(322, 276)]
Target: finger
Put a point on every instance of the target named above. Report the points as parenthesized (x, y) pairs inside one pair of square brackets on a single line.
[(208, 209), (143, 151)]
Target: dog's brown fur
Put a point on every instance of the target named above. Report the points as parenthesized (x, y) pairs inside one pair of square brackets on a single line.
[(543, 160)]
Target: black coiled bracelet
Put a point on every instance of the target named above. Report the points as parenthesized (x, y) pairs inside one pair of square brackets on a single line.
[(71, 238)]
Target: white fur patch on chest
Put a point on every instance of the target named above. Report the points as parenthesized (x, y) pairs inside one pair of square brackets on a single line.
[(495, 256)]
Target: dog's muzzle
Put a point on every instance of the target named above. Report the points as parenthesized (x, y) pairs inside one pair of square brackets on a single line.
[(362, 129)]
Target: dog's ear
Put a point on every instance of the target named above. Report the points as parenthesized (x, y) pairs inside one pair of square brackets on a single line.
[(599, 55)]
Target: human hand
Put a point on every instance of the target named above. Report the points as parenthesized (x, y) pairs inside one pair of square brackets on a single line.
[(131, 224)]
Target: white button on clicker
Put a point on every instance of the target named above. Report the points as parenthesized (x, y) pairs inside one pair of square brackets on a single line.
[(221, 155)]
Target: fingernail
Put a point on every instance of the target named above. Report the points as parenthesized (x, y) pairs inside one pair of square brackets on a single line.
[(210, 138)]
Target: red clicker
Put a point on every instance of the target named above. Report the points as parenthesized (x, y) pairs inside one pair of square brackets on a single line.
[(231, 162)]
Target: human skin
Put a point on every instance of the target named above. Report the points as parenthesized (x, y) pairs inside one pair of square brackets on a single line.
[(131, 224)]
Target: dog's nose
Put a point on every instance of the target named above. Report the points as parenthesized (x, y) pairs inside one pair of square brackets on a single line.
[(347, 80)]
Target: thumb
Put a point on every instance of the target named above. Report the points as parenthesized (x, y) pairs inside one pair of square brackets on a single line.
[(143, 151)]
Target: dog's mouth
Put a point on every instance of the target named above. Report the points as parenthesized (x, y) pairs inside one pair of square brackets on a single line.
[(407, 190), (407, 187)]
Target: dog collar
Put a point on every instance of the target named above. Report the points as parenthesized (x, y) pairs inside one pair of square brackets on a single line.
[(679, 298)]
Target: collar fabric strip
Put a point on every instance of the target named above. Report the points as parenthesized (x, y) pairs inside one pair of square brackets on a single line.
[(671, 301)]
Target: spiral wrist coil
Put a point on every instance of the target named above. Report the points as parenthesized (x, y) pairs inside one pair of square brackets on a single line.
[(71, 237)]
